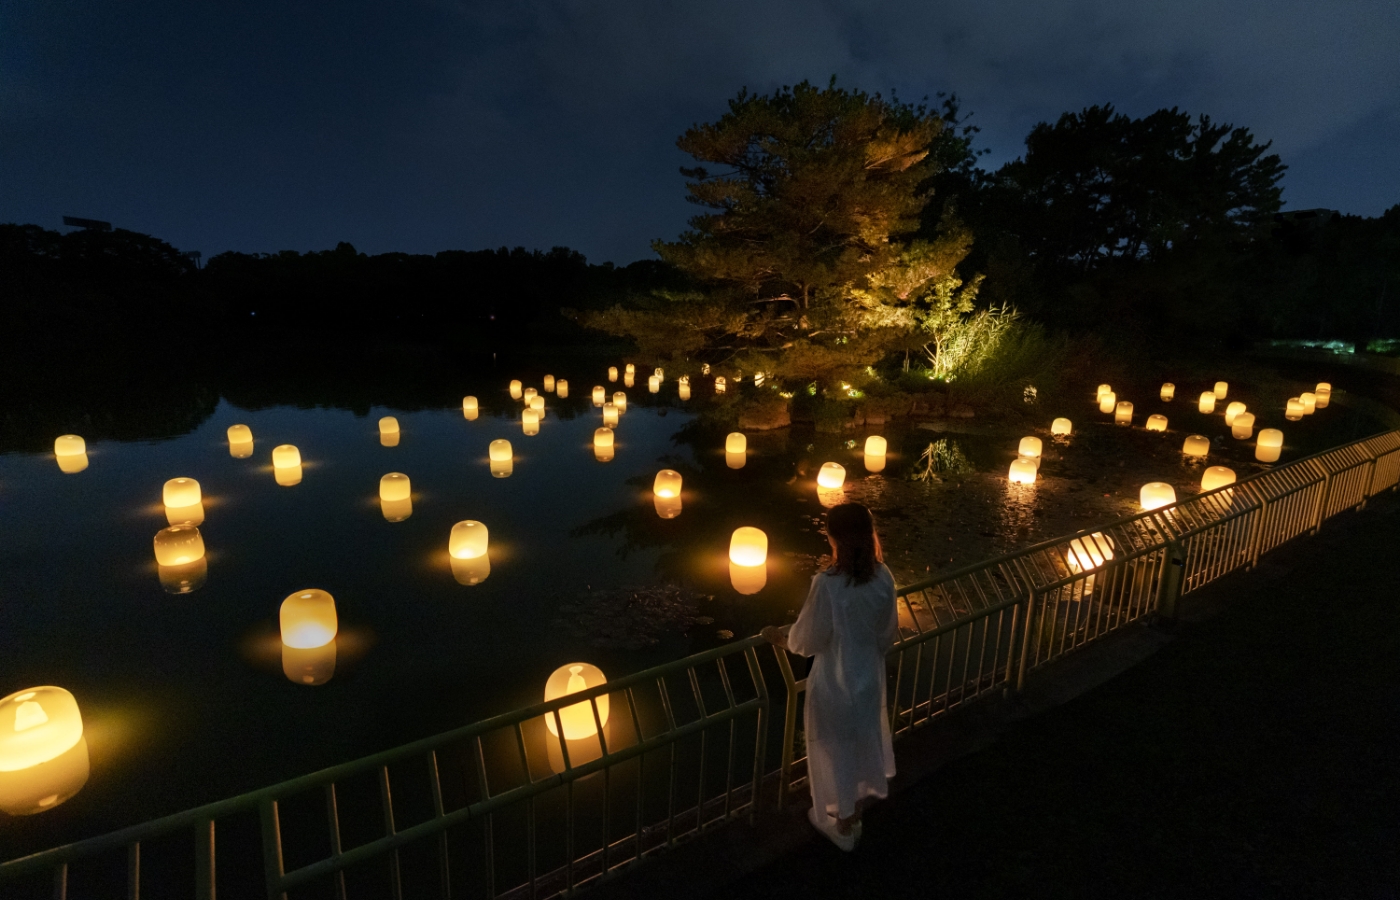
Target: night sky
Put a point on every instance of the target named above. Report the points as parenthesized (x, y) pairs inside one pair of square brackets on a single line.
[(261, 126)]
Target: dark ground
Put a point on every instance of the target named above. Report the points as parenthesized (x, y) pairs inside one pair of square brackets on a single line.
[(1256, 753)]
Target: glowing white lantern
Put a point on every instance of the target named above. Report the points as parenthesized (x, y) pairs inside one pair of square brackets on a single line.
[(516, 389), (1207, 403), (1217, 477), (600, 395), (286, 456), (1103, 389), (659, 374), (1294, 410), (469, 539), (628, 379), (831, 476), (577, 719), (395, 486), (1123, 413), (536, 403), (181, 492), (619, 400), (499, 451), (667, 483), (530, 421), (1023, 470), (875, 447), (388, 425), (1309, 402), (549, 384), (684, 390), (719, 385), (287, 476), (735, 460), (561, 389), (1107, 401), (1222, 388), (1062, 426), (1085, 554), (1323, 392), (748, 546), (603, 439), (69, 445), (1196, 445), (529, 394), (612, 373), (470, 408), (309, 666), (610, 415), (1243, 426), (43, 754), (1168, 391), (1156, 422), (1233, 410), (735, 442), (654, 384), (240, 434), (1030, 447), (1156, 494), (630, 370), (1269, 445), (178, 544), (308, 619)]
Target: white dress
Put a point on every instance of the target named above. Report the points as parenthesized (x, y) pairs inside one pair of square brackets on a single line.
[(848, 628)]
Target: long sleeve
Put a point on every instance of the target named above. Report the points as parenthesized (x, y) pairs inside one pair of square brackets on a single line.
[(811, 633)]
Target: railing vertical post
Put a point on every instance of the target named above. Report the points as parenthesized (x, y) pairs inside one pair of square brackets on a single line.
[(272, 850), (1370, 483), (1320, 508), (60, 882), (1027, 637), (1256, 532), (204, 859), (1173, 576), (789, 726), (133, 871)]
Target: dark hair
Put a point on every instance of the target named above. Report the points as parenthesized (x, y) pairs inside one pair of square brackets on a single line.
[(851, 528)]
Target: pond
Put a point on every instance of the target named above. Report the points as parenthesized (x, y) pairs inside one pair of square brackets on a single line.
[(184, 695)]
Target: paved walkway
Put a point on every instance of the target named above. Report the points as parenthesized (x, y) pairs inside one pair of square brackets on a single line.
[(1254, 752)]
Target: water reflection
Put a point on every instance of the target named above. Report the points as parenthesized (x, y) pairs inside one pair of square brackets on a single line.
[(748, 579), (396, 510), (581, 751), (667, 507), (287, 476), (735, 460), (192, 514), (309, 665), (502, 468), (829, 497), (72, 463), (388, 438), (42, 787), (184, 578), (240, 449), (471, 571)]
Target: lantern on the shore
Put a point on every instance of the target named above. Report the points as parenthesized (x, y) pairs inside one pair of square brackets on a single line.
[(1222, 388), (619, 400), (1243, 426), (308, 619), (1108, 401), (1023, 471), (719, 384), (1087, 553), (285, 456), (1309, 402), (1123, 413), (577, 719), (667, 483), (1207, 403), (600, 395), (1233, 410), (1294, 410), (181, 492), (1269, 445), (1156, 422), (610, 415), (1168, 391), (1062, 426), (178, 544), (1217, 477), (516, 389), (831, 476), (1196, 445), (1156, 494), (549, 384), (43, 754)]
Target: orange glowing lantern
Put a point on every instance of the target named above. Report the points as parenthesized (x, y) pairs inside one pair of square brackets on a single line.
[(1309, 402), (178, 545), (1217, 477), (308, 619), (1108, 401), (395, 486), (1156, 494), (1222, 388), (549, 384), (470, 407), (1196, 445), (388, 425), (1123, 413), (619, 400), (286, 456), (612, 373), (603, 444), (1103, 389), (1062, 427), (529, 394), (875, 450), (1269, 445), (1207, 402), (469, 539), (1233, 410), (530, 421), (181, 492), (748, 546), (43, 754), (1156, 422), (667, 484), (654, 384), (1323, 392), (735, 442), (500, 451), (1294, 411), (610, 415), (240, 434), (1243, 426), (684, 390), (1168, 391), (69, 445), (561, 389), (577, 719), (516, 389), (832, 476), (719, 384), (600, 395), (1023, 471)]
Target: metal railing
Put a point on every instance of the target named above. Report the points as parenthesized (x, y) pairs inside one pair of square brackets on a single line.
[(506, 807)]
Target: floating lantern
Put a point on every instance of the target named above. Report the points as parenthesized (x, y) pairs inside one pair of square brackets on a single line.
[(240, 434), (516, 391), (1294, 411), (603, 444), (529, 395), (1023, 471), (561, 389), (1107, 401), (1243, 426), (1207, 404), (684, 390), (1123, 413), (1323, 392), (1168, 391), (287, 476), (1087, 553), (577, 719), (620, 401), (181, 492), (1196, 445), (394, 486), (667, 483), (831, 476), (719, 385), (500, 451), (1217, 477), (612, 373), (667, 507), (1156, 494), (285, 456), (1233, 410), (184, 578), (530, 421), (1103, 389), (735, 442), (191, 514), (1221, 389), (600, 395), (748, 546), (43, 755), (654, 384), (469, 539), (178, 544), (537, 404), (875, 448), (1269, 445), (610, 415), (470, 409), (1030, 447), (69, 445), (1156, 422), (1309, 402), (1062, 426), (388, 425), (549, 384), (308, 619), (629, 380), (309, 665), (631, 369)]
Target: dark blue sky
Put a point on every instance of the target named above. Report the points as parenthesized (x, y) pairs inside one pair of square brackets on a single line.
[(422, 126)]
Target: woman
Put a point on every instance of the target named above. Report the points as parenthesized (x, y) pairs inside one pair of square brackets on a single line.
[(848, 623)]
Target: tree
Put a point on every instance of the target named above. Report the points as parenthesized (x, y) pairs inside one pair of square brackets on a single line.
[(800, 260)]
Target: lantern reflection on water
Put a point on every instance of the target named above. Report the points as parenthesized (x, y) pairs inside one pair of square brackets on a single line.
[(43, 754), (310, 666), (1062, 426), (667, 507), (1156, 494), (1107, 401), (1123, 413), (1232, 411), (628, 380), (1207, 402), (1243, 426), (577, 718), (287, 476), (72, 464), (240, 450), (178, 544), (631, 369), (1168, 391), (185, 515), (1196, 445), (1217, 476), (1269, 445), (1156, 422), (308, 619), (1023, 471), (185, 578)]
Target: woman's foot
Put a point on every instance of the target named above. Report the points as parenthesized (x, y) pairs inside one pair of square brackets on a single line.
[(828, 826)]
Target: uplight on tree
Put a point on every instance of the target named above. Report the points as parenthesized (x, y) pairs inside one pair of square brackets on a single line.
[(577, 719)]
